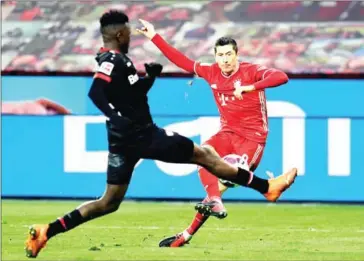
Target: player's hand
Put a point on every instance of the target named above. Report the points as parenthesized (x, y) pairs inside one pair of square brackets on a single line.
[(153, 69), (238, 93), (147, 29), (120, 122)]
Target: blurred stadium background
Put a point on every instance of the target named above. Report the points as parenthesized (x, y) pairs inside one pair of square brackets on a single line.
[(295, 36), (316, 124)]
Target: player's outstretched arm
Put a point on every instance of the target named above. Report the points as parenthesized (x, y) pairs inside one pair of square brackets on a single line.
[(264, 78), (169, 51)]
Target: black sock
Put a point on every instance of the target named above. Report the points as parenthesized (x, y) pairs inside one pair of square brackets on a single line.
[(259, 184), (68, 222), (243, 177)]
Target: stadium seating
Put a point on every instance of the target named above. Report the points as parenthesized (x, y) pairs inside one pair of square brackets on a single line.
[(297, 37)]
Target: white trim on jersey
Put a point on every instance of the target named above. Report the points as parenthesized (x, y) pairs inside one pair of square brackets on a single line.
[(263, 109), (266, 72), (256, 155), (194, 69)]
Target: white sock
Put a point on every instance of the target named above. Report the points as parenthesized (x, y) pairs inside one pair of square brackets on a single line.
[(186, 235)]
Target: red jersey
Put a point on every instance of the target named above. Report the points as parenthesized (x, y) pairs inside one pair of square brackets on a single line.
[(246, 117)]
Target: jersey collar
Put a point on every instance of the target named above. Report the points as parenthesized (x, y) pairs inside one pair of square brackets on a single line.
[(104, 50)]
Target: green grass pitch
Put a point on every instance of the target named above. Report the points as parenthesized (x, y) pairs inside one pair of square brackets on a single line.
[(250, 232)]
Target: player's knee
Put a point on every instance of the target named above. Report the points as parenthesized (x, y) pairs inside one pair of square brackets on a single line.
[(202, 155), (112, 199), (113, 206), (109, 206), (209, 152)]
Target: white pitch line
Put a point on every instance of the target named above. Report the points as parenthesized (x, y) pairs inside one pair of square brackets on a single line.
[(218, 229)]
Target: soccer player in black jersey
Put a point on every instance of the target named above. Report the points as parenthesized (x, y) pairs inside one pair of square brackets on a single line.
[(122, 97)]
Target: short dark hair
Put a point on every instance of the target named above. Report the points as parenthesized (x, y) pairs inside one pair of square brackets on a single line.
[(113, 17), (111, 23), (226, 41)]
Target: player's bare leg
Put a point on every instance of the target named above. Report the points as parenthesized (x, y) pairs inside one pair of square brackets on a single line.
[(272, 189), (184, 237), (207, 158), (108, 203)]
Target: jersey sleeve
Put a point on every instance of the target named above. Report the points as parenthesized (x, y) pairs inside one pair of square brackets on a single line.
[(203, 70), (266, 77), (108, 67), (259, 72), (172, 54)]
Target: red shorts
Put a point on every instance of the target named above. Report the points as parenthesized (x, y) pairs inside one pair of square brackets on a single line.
[(226, 143)]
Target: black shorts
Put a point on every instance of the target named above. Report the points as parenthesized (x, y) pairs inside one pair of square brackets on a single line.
[(150, 142)]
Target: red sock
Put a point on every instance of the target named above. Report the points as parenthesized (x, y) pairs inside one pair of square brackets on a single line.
[(197, 222), (210, 183)]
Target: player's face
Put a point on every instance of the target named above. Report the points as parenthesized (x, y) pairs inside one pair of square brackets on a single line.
[(226, 58)]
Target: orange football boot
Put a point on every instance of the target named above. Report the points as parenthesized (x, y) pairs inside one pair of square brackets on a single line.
[(37, 240), (279, 184)]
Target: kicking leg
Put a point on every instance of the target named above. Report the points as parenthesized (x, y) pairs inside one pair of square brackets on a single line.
[(174, 148), (271, 189), (207, 158)]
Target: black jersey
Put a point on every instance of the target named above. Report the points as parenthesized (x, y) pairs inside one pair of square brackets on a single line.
[(126, 92), (119, 93)]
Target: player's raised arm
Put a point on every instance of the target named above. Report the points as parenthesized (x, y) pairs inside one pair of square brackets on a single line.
[(169, 51), (152, 70), (267, 77)]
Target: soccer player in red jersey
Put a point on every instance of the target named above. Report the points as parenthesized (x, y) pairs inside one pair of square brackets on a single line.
[(238, 90)]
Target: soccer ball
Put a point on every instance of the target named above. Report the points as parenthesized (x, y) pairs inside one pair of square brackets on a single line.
[(234, 160)]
